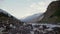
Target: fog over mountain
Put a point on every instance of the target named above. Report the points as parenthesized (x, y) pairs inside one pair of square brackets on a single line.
[(33, 18)]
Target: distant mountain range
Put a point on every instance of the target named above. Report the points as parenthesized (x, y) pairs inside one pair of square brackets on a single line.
[(52, 15), (33, 18)]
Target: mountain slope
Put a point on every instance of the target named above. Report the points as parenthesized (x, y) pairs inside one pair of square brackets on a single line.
[(52, 15), (7, 18)]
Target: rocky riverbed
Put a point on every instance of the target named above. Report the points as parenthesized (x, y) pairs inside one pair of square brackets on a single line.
[(29, 29)]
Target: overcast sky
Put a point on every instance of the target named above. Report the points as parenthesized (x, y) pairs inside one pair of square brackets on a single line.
[(23, 8)]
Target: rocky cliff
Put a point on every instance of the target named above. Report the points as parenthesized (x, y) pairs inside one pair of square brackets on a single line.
[(52, 14)]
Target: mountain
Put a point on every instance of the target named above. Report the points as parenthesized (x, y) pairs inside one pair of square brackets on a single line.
[(52, 14), (8, 18), (33, 18)]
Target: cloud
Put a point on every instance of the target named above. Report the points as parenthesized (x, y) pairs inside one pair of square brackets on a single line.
[(39, 7), (28, 0), (1, 1)]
